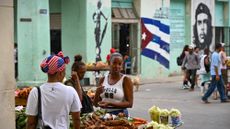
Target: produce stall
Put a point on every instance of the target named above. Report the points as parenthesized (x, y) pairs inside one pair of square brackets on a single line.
[(100, 119), (21, 96)]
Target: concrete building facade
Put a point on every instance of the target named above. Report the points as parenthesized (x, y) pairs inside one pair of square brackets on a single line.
[(7, 86), (88, 27)]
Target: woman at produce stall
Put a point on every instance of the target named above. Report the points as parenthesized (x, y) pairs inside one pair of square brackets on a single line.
[(78, 71), (57, 100), (115, 91)]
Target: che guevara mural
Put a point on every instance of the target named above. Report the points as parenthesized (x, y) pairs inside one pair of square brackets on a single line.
[(202, 22)]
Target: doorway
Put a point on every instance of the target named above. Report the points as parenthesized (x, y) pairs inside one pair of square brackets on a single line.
[(55, 43), (55, 33), (124, 39), (222, 35)]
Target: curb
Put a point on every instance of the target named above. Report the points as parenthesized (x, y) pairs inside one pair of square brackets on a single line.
[(162, 80)]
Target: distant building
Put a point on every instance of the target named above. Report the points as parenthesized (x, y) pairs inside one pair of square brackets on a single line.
[(152, 32)]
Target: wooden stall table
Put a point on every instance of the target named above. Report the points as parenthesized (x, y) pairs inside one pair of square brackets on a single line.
[(20, 101), (97, 69)]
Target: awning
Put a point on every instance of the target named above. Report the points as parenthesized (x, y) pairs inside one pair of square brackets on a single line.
[(124, 15)]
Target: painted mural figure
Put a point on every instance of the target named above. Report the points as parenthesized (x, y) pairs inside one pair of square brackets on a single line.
[(97, 31), (202, 29)]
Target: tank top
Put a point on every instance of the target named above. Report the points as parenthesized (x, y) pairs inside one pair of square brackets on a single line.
[(202, 67), (113, 93)]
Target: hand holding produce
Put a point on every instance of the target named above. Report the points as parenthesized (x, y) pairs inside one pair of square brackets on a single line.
[(103, 104)]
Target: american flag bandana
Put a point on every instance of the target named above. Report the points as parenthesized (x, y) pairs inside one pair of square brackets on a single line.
[(54, 63)]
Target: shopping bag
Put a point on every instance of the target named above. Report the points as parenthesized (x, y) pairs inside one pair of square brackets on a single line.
[(179, 60), (87, 105)]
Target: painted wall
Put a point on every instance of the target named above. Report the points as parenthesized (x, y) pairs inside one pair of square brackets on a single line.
[(199, 40), (187, 22), (90, 32), (55, 6), (178, 32), (219, 12), (137, 6), (156, 56), (74, 29), (91, 24), (33, 39), (228, 10), (137, 9)]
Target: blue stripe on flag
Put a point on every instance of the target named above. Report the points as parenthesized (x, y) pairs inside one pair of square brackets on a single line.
[(163, 45), (156, 56), (162, 27)]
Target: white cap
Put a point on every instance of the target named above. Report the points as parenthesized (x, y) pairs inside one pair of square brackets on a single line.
[(222, 44), (190, 47)]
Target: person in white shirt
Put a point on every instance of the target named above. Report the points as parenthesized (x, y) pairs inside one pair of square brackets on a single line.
[(223, 65), (205, 70), (57, 99)]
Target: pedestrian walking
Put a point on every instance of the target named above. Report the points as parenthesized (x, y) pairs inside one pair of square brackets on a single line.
[(204, 70), (182, 56), (191, 63), (197, 52), (223, 66), (217, 80)]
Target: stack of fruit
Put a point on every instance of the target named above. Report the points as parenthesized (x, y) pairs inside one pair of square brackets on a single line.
[(21, 96), (101, 64), (90, 65), (91, 93), (97, 65), (160, 118), (23, 93)]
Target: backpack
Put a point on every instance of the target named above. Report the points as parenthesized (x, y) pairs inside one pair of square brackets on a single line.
[(207, 66), (179, 60)]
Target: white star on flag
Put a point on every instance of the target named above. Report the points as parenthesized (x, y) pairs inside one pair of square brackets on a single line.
[(144, 36)]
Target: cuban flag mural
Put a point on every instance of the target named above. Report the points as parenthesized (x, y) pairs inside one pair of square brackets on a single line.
[(155, 40), (155, 31)]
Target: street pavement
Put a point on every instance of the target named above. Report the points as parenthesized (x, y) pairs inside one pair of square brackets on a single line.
[(167, 93)]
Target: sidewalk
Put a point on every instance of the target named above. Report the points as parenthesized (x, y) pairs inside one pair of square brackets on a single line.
[(170, 79)]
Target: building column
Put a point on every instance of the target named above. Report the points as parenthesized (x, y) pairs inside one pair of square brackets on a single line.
[(33, 36), (7, 85), (73, 13)]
